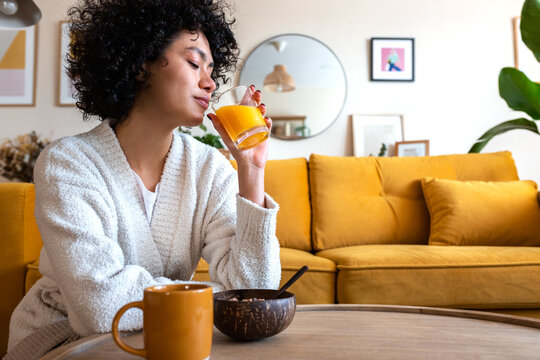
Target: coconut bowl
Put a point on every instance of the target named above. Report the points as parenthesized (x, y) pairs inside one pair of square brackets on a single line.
[(252, 314)]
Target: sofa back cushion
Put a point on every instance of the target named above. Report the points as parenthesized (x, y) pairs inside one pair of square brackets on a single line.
[(371, 200), (497, 166), (286, 181)]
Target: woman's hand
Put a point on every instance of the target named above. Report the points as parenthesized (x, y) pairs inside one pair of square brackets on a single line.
[(255, 156), (250, 162)]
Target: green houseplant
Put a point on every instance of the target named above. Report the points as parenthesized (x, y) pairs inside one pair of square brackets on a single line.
[(520, 93), (208, 138)]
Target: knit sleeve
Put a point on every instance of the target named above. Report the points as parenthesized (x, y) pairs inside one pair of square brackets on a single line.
[(75, 216), (240, 243)]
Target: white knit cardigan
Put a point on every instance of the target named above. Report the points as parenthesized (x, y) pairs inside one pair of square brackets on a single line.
[(99, 250)]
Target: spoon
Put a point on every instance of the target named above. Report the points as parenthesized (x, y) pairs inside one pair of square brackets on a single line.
[(290, 282)]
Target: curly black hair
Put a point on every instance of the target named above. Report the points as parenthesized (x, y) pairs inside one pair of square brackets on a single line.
[(113, 38)]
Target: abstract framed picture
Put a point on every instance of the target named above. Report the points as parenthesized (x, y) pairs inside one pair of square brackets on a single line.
[(66, 91), (18, 57), (392, 59), (412, 148), (376, 135), (524, 59)]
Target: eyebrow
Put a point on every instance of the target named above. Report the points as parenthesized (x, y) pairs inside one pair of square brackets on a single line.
[(201, 53)]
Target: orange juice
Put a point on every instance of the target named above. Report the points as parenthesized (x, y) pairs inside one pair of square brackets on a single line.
[(244, 124)]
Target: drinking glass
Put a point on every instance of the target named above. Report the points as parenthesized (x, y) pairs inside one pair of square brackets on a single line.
[(239, 115)]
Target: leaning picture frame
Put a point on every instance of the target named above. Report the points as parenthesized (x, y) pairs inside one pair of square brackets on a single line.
[(392, 59), (524, 59), (18, 59), (376, 135), (412, 148), (66, 94)]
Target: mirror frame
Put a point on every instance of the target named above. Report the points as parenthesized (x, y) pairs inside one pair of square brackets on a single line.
[(340, 111)]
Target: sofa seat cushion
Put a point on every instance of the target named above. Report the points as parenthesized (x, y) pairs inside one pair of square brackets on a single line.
[(470, 277), (316, 286)]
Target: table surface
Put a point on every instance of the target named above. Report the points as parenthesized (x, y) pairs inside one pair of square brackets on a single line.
[(372, 332)]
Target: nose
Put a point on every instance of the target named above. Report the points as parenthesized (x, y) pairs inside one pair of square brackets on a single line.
[(207, 83)]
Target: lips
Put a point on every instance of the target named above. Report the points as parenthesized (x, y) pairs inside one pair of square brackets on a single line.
[(202, 101)]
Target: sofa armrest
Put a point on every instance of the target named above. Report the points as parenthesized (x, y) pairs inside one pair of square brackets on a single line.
[(20, 245)]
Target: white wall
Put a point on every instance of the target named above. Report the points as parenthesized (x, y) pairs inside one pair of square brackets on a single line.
[(461, 45)]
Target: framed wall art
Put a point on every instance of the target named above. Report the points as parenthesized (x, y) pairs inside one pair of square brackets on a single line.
[(392, 59), (376, 135), (524, 59), (66, 92), (412, 148), (18, 58)]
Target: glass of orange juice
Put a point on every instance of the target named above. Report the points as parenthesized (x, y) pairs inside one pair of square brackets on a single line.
[(240, 117)]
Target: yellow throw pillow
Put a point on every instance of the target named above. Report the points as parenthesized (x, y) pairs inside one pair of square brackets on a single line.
[(482, 213)]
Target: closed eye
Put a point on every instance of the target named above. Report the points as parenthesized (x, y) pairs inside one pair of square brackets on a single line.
[(193, 64)]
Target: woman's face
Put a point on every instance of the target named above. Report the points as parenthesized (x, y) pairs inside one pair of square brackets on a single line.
[(180, 83)]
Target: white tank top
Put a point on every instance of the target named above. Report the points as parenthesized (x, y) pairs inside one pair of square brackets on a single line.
[(148, 196)]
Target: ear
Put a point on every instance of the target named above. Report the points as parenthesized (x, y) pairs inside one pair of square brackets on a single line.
[(140, 75)]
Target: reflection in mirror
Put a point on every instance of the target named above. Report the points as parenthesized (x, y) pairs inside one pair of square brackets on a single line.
[(304, 84)]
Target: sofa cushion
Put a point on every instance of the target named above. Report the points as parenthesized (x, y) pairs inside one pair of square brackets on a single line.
[(372, 200), (497, 166), (483, 212), (286, 181), (472, 277), (316, 286), (368, 200)]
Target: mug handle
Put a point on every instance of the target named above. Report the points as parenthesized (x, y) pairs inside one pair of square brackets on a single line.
[(116, 336)]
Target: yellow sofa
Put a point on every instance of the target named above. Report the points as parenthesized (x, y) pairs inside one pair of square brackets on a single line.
[(362, 226)]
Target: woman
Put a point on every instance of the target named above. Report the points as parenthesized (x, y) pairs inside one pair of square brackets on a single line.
[(133, 203)]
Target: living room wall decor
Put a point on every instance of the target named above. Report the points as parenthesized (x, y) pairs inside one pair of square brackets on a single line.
[(66, 91), (392, 59), (316, 95), (18, 53), (376, 135), (412, 148)]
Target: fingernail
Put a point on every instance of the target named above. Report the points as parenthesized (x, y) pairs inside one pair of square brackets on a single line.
[(251, 85), (262, 104), (258, 91), (208, 116)]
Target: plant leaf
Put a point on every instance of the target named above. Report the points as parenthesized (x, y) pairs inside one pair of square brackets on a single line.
[(530, 29), (516, 124), (519, 92)]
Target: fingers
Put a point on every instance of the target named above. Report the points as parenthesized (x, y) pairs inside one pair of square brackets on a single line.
[(262, 109), (268, 122), (257, 95)]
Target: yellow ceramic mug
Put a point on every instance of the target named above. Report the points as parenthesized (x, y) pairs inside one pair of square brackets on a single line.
[(177, 322)]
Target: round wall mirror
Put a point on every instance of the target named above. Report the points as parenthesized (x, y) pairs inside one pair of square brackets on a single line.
[(303, 82)]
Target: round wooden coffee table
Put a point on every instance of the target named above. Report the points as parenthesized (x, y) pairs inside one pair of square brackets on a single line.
[(361, 332)]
